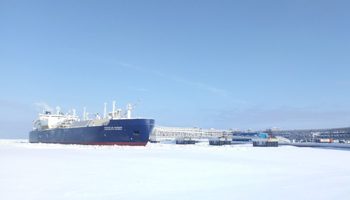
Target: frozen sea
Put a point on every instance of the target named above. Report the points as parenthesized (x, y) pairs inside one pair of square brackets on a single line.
[(169, 171)]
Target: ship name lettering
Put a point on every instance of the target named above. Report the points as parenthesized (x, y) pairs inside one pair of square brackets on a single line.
[(113, 128)]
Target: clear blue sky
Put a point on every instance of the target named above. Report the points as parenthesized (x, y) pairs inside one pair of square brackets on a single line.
[(212, 64)]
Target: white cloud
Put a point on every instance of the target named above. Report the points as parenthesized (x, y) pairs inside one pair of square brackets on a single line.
[(179, 79), (343, 83), (42, 106), (286, 118), (217, 91), (139, 89), (142, 89)]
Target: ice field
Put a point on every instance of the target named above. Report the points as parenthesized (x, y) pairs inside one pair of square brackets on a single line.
[(169, 171)]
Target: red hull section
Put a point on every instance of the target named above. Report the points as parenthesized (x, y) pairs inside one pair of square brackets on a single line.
[(101, 143)]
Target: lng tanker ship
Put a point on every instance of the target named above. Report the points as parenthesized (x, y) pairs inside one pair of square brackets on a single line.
[(113, 129)]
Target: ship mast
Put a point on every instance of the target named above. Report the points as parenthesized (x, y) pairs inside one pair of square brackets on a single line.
[(104, 112)]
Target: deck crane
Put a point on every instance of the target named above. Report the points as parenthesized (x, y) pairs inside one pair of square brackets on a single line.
[(136, 104), (96, 115), (129, 109)]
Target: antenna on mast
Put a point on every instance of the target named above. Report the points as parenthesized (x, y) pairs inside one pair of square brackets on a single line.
[(113, 114), (104, 112)]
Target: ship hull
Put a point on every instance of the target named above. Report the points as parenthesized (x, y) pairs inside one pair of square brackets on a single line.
[(131, 132)]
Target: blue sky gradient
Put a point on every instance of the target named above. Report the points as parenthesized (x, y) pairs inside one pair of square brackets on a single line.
[(212, 64)]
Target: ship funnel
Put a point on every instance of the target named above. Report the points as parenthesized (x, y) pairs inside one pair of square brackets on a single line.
[(58, 110)]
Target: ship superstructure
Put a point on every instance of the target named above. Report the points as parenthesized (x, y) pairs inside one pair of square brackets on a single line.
[(112, 129)]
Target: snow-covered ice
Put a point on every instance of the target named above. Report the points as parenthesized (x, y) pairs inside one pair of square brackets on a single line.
[(169, 171)]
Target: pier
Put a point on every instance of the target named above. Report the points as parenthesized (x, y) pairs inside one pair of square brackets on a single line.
[(311, 134)]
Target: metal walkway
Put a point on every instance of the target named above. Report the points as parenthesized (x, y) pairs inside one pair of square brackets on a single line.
[(310, 134)]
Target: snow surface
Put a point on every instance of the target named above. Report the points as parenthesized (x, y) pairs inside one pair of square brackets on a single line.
[(169, 171)]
